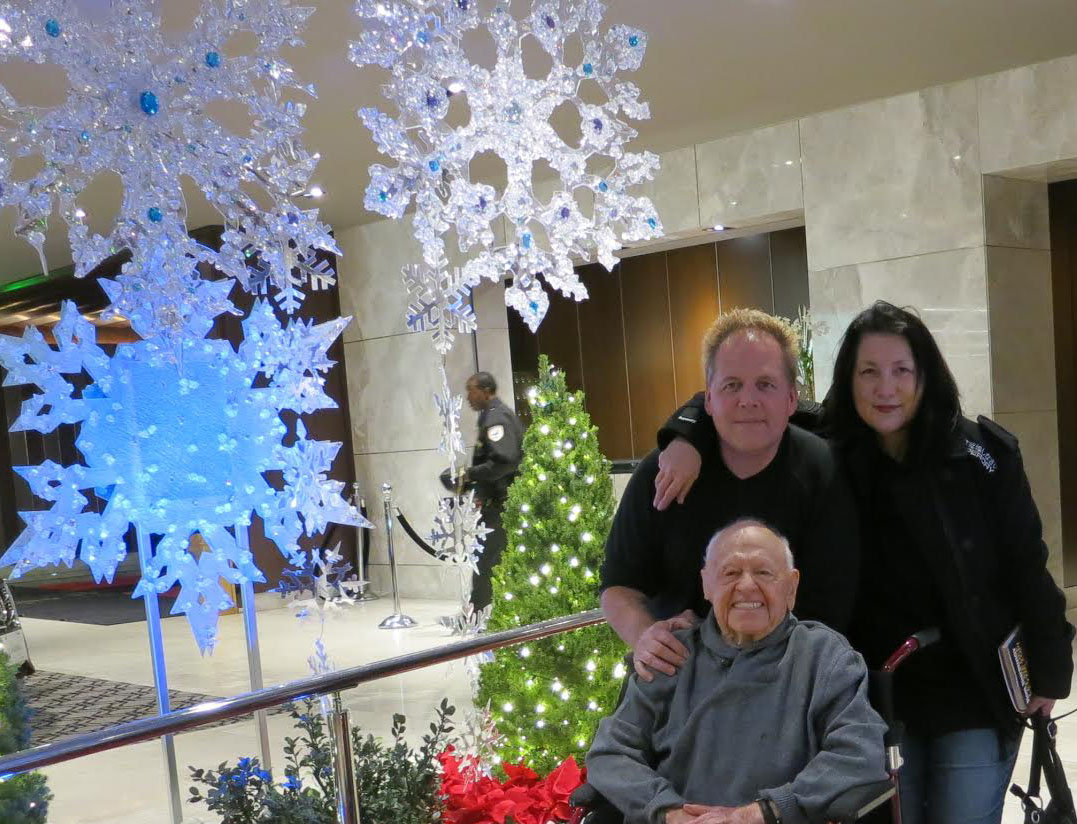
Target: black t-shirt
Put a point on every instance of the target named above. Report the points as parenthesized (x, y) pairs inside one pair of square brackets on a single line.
[(801, 493)]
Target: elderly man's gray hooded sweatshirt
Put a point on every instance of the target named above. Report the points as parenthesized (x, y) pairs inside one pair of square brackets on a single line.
[(785, 718)]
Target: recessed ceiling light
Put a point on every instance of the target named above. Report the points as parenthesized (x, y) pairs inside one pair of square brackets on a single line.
[(718, 227)]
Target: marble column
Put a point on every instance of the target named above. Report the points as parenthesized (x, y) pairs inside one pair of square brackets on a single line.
[(392, 376), (893, 210)]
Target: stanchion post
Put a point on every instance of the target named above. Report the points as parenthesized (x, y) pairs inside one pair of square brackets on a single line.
[(160, 679), (362, 571), (398, 620), (340, 729)]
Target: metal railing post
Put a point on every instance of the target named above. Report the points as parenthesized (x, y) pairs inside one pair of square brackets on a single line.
[(398, 620), (340, 728)]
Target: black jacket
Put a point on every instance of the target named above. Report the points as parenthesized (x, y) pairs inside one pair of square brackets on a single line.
[(498, 452), (973, 514)]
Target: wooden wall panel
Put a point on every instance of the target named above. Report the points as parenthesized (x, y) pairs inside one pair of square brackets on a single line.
[(693, 306), (744, 273), (1063, 211), (649, 347), (559, 339), (605, 374), (789, 271)]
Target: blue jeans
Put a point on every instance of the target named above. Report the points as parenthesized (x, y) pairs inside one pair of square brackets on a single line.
[(956, 778)]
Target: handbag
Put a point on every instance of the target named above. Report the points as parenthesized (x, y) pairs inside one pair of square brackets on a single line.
[(1045, 761)]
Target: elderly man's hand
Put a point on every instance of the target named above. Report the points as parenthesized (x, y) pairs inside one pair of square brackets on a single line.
[(677, 815), (658, 649), (678, 468), (702, 814), (1038, 704)]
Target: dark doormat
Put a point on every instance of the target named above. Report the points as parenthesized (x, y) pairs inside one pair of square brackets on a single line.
[(64, 704), (106, 607)]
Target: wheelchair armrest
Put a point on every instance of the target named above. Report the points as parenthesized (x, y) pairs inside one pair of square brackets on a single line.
[(855, 803), (586, 796), (591, 807)]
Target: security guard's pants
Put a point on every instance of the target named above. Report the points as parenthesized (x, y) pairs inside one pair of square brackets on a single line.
[(482, 581)]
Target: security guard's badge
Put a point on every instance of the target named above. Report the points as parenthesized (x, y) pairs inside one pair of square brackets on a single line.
[(495, 433)]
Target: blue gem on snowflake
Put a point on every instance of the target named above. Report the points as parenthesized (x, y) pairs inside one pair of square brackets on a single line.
[(146, 96), (163, 465)]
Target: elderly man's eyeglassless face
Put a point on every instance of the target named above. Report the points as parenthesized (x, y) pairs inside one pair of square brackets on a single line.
[(749, 583)]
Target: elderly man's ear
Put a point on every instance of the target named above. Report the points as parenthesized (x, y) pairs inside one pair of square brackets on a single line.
[(794, 582)]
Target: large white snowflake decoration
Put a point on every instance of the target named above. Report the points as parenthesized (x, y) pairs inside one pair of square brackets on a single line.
[(459, 532), (138, 104), (177, 446), (591, 211), (440, 303)]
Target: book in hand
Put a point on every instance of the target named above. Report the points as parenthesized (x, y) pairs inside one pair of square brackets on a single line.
[(1011, 655)]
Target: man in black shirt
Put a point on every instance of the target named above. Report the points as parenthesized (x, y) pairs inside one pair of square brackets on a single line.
[(762, 468)]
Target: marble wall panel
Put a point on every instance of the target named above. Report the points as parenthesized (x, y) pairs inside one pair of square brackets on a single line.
[(1028, 120), (1038, 436), (391, 382), (674, 191), (1016, 213), (492, 346), (949, 291), (1022, 330), (893, 178), (371, 288), (488, 299), (752, 178)]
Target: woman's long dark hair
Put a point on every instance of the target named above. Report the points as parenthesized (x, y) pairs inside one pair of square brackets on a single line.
[(940, 406)]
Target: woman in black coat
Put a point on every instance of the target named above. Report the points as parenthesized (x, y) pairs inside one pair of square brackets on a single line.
[(952, 539)]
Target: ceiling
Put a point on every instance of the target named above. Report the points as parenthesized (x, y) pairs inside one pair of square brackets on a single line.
[(713, 67)]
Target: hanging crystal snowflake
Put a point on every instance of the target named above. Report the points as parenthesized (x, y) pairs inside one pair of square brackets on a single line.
[(164, 465), (591, 211), (440, 303), (468, 621), (449, 406), (139, 105), (480, 741), (459, 532), (321, 584)]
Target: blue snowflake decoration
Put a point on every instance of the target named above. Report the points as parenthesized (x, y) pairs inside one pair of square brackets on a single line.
[(178, 437)]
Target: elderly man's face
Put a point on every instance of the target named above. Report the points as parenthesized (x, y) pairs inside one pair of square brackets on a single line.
[(749, 583)]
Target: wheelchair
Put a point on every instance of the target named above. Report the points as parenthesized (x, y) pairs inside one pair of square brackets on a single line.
[(877, 803)]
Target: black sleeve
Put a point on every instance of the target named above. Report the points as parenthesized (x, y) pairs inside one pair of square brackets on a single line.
[(633, 547), (502, 455), (1040, 604), (692, 423), (829, 555)]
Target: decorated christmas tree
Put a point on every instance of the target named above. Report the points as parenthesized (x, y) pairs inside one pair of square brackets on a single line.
[(548, 696)]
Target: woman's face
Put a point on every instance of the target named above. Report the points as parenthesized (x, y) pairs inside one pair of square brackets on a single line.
[(886, 385)]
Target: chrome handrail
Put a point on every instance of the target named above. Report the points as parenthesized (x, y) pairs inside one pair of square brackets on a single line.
[(210, 712)]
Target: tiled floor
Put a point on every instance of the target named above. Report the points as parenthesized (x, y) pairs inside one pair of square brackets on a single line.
[(127, 785)]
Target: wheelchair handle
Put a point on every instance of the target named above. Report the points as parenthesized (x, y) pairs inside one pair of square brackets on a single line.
[(915, 642)]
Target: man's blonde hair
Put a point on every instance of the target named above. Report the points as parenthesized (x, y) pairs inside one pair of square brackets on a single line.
[(739, 320)]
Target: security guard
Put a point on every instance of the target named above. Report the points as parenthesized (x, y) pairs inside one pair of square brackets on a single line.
[(498, 452)]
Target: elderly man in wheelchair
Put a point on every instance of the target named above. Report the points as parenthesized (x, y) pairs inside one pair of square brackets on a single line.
[(767, 721)]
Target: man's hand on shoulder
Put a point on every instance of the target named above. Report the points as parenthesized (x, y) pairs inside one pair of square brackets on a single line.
[(658, 648), (703, 814), (678, 468)]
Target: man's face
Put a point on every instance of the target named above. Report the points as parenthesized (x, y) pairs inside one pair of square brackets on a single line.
[(476, 398), (749, 584), (750, 396)]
